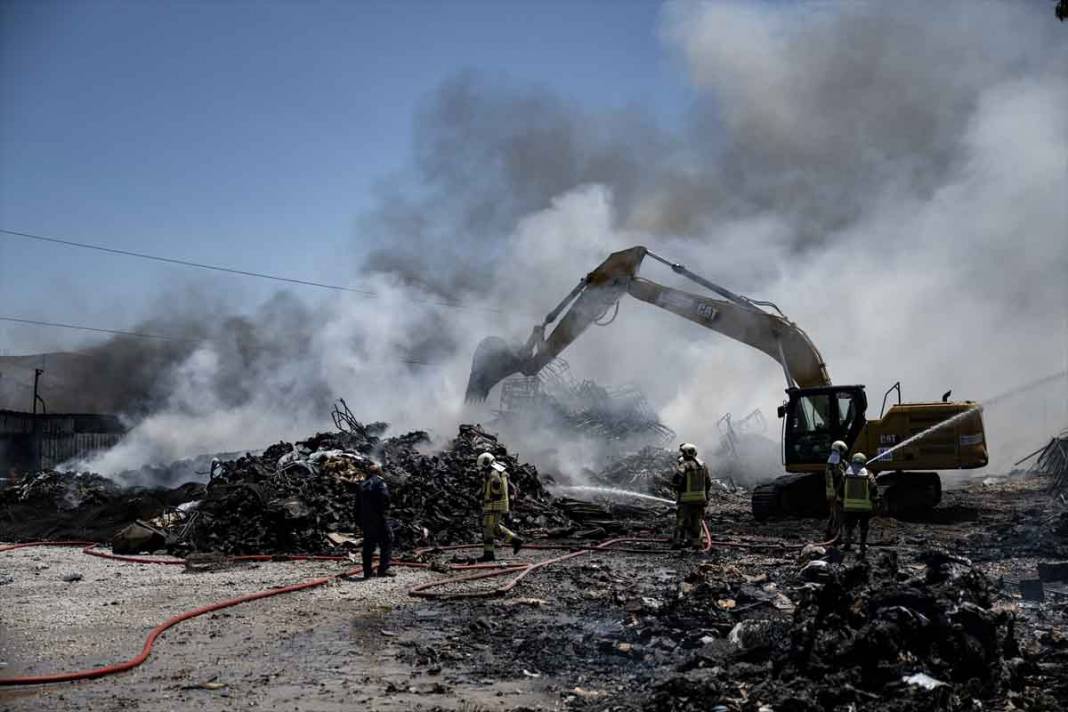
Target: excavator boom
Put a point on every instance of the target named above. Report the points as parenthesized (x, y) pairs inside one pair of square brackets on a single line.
[(730, 314), (816, 412)]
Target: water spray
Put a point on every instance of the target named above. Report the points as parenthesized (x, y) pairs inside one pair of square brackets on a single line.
[(975, 409), (614, 491)]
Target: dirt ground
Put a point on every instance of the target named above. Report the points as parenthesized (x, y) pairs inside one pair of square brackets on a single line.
[(588, 633)]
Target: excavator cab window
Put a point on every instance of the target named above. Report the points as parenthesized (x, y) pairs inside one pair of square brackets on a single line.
[(808, 428), (816, 417), (846, 411)]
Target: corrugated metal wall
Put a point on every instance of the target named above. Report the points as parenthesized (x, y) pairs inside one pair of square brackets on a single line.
[(58, 448), (62, 436)]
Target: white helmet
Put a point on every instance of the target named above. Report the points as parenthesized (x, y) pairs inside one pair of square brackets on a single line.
[(839, 447), (486, 459), (860, 458), (688, 450)]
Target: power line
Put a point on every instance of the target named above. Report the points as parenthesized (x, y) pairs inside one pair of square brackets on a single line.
[(185, 263), (143, 335), (228, 270), (80, 327)]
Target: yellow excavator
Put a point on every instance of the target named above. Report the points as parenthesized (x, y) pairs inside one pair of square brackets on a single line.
[(814, 414)]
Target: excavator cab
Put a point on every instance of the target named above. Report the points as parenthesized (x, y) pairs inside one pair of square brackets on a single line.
[(813, 418)]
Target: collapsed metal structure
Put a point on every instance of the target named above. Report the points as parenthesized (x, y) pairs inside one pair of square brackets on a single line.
[(1053, 461), (554, 396)]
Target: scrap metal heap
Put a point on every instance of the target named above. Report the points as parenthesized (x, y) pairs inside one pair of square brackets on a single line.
[(293, 496), (555, 400), (1053, 461), (650, 471)]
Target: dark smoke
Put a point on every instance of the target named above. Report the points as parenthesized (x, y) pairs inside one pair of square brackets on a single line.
[(488, 154), (890, 173)]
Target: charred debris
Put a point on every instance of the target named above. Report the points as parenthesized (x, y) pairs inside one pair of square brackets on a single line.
[(291, 497), (917, 626)]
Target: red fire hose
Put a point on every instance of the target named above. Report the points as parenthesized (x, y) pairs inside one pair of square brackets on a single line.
[(520, 572), (158, 630), (524, 570)]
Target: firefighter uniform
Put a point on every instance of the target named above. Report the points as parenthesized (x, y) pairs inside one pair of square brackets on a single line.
[(858, 494), (832, 476), (496, 503), (692, 484)]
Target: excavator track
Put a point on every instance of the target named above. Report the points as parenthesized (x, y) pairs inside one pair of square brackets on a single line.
[(765, 503), (908, 494), (794, 495), (904, 494)]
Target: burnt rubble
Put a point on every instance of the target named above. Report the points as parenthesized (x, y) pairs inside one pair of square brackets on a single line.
[(766, 625), (1053, 461), (69, 505), (618, 419), (291, 496), (873, 636), (932, 633), (650, 471)]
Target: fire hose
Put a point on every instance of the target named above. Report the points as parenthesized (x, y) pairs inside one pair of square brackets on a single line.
[(518, 572)]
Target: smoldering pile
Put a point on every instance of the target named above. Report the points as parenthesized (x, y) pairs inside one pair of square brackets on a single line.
[(553, 400), (292, 497), (300, 496), (79, 506), (650, 471), (876, 637)]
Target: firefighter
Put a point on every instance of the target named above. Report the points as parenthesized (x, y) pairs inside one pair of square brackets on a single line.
[(373, 503), (692, 483), (497, 494), (832, 474), (858, 494)]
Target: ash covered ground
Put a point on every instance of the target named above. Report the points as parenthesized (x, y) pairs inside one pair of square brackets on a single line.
[(933, 619)]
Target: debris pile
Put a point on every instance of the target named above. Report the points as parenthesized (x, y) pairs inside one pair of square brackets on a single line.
[(273, 503), (555, 401), (882, 633), (71, 505), (650, 471), (745, 455), (63, 490), (1053, 461), (292, 496), (437, 497), (874, 637)]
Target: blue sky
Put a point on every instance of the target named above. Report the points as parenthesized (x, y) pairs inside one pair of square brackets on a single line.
[(252, 134)]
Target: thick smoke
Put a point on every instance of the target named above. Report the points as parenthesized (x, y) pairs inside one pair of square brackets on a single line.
[(891, 174)]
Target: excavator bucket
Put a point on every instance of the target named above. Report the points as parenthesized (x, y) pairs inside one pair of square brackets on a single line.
[(494, 360)]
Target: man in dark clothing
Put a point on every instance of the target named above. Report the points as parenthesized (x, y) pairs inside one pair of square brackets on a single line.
[(372, 505)]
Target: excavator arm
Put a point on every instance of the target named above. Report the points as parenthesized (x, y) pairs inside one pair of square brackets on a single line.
[(730, 314)]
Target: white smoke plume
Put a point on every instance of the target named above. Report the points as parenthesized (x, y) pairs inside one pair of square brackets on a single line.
[(892, 175)]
